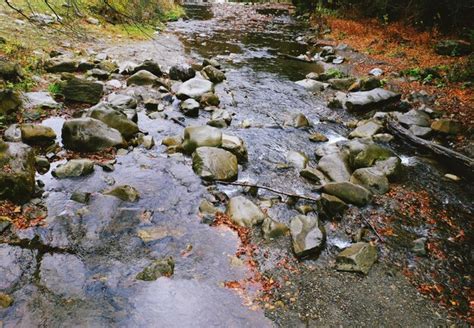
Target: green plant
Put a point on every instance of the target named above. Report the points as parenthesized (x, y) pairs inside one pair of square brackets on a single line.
[(54, 88), (334, 73)]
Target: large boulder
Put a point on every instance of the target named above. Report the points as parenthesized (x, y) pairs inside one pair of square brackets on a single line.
[(10, 103), (366, 100), (74, 168), (89, 135), (244, 212), (348, 192), (201, 136), (17, 177), (307, 234), (358, 257), (10, 71), (194, 88), (81, 90), (182, 72), (215, 164), (335, 166), (36, 134), (372, 179), (142, 78), (116, 120), (213, 74)]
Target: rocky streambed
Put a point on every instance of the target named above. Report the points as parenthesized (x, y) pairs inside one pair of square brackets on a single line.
[(333, 221)]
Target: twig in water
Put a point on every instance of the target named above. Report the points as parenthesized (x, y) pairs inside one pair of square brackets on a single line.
[(367, 222), (174, 119), (276, 191)]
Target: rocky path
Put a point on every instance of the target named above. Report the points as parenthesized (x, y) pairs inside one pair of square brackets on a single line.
[(132, 237)]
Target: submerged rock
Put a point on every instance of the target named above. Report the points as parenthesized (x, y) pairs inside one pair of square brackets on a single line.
[(36, 134), (89, 135), (307, 235), (125, 192), (201, 136), (17, 178), (215, 164), (63, 275), (348, 192), (74, 168), (358, 257), (158, 268), (244, 212)]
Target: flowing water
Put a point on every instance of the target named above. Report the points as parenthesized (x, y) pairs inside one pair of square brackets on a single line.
[(79, 270)]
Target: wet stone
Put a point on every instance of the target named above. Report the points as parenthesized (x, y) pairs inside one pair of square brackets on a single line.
[(215, 164), (419, 246), (244, 212), (16, 264), (158, 268), (5, 222), (36, 134), (81, 197), (358, 257), (42, 164), (74, 168), (297, 159), (5, 300), (236, 146), (142, 78), (332, 205), (312, 174), (213, 74), (194, 88), (272, 229), (348, 192), (182, 72), (420, 131), (201, 136), (372, 179), (318, 137), (446, 126), (415, 117), (81, 90), (190, 107), (64, 275), (125, 193), (366, 130), (335, 166), (300, 121), (150, 66), (391, 167), (307, 235)]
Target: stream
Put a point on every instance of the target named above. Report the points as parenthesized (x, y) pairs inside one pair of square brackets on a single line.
[(79, 269)]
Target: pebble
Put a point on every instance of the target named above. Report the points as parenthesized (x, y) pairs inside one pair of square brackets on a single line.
[(452, 177)]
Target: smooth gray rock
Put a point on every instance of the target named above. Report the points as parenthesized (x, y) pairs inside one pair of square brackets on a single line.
[(236, 146), (358, 257), (16, 264), (415, 117), (114, 119), (366, 100), (40, 100), (213, 74), (64, 275), (366, 130), (348, 192), (142, 78), (372, 179), (190, 107), (307, 235), (149, 65), (74, 168), (200, 136), (313, 85), (215, 164), (244, 212), (335, 166), (121, 101), (194, 88), (297, 159)]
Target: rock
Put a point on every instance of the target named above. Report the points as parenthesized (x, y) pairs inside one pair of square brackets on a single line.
[(36, 134), (125, 192), (42, 164), (318, 137), (43, 19), (17, 178), (149, 66), (63, 274), (342, 84), (366, 100), (172, 141), (415, 117), (326, 149), (307, 234), (220, 118), (391, 167), (183, 72), (13, 133), (453, 48), (210, 99), (297, 159), (366, 130), (10, 71), (5, 222), (108, 66), (40, 100), (419, 246), (142, 78), (446, 126), (215, 164), (452, 177), (368, 156), (81, 90), (5, 300), (213, 74), (244, 212), (420, 131), (312, 174), (194, 88), (272, 229), (92, 21), (335, 166), (10, 103), (151, 105), (199, 136), (158, 268), (236, 146), (368, 84), (121, 101), (74, 168), (348, 192), (190, 107), (372, 179), (17, 264), (99, 74), (383, 137), (81, 197), (358, 257), (89, 135), (60, 65), (146, 141), (212, 62), (376, 72), (332, 205), (300, 121), (313, 85)]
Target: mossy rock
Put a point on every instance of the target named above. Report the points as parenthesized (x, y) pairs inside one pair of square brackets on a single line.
[(158, 268)]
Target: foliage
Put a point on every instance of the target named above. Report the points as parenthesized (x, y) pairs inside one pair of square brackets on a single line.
[(54, 88)]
